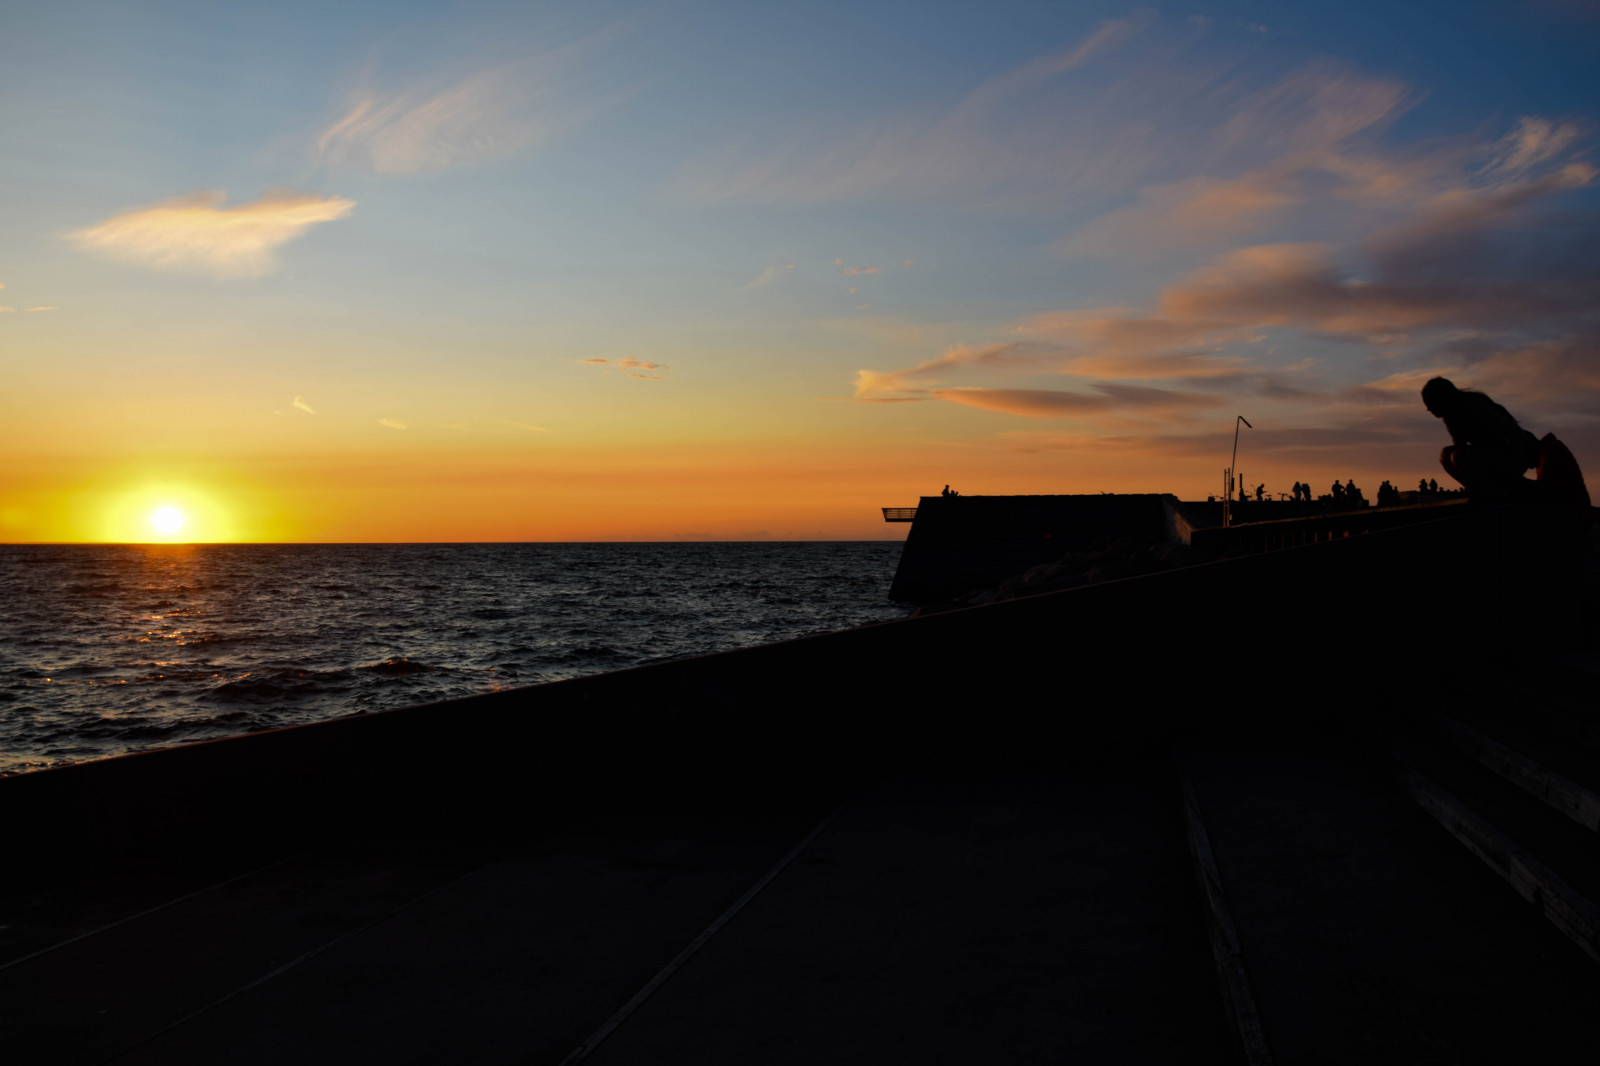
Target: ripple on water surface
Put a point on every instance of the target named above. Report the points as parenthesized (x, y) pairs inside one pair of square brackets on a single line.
[(117, 648)]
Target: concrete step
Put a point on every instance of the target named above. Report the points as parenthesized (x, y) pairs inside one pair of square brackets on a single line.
[(1566, 774), (1525, 757), (1534, 829), (1369, 935)]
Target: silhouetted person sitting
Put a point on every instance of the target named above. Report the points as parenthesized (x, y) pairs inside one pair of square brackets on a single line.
[(1260, 489), (1338, 492), (1490, 450), (1433, 486)]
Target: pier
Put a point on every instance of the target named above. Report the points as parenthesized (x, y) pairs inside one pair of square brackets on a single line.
[(1147, 820)]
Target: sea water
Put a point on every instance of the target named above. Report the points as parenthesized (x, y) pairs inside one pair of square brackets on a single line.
[(109, 649)]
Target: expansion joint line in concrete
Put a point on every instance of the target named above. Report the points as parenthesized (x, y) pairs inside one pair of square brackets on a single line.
[(149, 911), (291, 964), (1249, 1036), (587, 1048)]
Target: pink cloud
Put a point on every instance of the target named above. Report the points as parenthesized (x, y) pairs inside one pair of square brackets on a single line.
[(1055, 403), (877, 385), (1185, 213)]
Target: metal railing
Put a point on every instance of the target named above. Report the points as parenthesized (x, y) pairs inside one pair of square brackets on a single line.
[(1291, 532), (899, 514)]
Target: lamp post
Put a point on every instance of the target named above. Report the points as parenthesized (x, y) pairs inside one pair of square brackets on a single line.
[(1227, 504)]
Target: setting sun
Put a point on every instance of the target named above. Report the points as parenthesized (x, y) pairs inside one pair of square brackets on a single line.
[(167, 520)]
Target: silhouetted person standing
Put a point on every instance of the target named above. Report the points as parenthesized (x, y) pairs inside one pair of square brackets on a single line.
[(1338, 491), (1490, 450), (1433, 486)]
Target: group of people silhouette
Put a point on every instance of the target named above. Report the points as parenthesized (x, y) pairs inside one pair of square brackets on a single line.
[(1302, 492), (1488, 454)]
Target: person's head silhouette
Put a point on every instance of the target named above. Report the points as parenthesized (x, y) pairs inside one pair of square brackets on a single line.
[(1439, 396)]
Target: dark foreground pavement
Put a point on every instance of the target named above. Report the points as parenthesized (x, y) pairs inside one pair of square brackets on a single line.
[(928, 920)]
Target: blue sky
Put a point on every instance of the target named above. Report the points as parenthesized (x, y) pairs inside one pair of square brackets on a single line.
[(646, 252)]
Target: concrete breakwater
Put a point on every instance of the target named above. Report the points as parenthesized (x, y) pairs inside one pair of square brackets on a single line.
[(961, 543), (971, 550), (1128, 821)]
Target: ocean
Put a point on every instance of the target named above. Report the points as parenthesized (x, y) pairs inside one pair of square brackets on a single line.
[(109, 649)]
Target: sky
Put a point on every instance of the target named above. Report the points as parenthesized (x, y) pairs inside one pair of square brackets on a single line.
[(700, 270)]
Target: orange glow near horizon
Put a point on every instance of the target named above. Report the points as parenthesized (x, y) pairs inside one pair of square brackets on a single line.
[(740, 490), (138, 505)]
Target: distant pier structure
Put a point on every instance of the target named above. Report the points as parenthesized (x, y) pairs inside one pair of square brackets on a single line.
[(960, 543)]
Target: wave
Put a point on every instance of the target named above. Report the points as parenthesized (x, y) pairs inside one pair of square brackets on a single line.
[(251, 637), (400, 667), (271, 685)]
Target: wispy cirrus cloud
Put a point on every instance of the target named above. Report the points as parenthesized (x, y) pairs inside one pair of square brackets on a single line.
[(198, 232), (392, 423), (1214, 140), (301, 404), (976, 144), (478, 118), (1535, 141), (508, 107)]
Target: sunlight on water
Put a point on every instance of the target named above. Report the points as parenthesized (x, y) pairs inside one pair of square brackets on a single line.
[(114, 648)]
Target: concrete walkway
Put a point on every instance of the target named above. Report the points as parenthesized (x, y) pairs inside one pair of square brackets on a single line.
[(1003, 919)]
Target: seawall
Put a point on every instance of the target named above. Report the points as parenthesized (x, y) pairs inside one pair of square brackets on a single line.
[(1034, 681)]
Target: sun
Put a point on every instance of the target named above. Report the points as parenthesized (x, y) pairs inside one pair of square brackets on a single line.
[(167, 520)]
